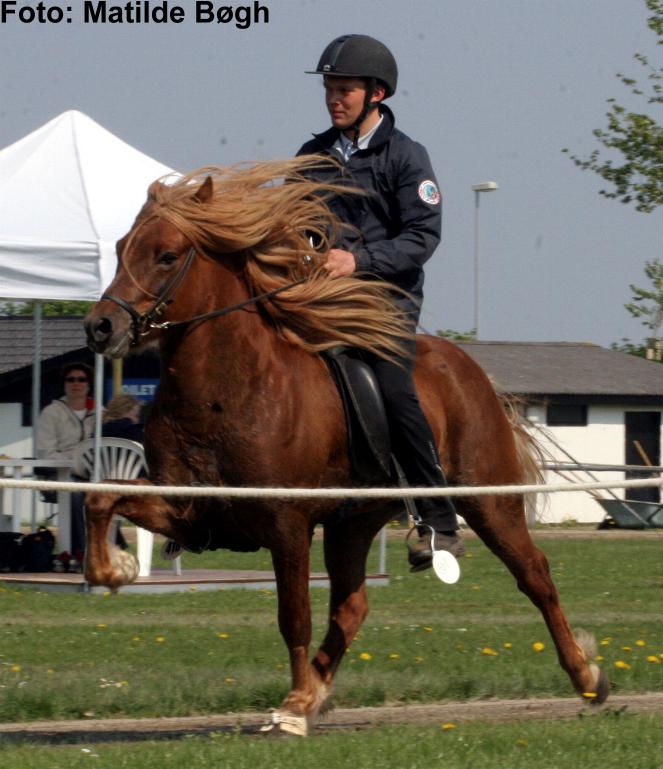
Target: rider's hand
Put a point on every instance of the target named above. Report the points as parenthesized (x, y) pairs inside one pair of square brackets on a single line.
[(340, 263)]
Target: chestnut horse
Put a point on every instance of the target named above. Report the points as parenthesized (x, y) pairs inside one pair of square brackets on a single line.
[(246, 400)]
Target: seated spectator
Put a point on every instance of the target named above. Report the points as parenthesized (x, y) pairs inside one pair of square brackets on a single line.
[(122, 419)]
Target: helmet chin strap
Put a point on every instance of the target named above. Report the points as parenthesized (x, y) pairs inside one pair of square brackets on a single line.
[(368, 106)]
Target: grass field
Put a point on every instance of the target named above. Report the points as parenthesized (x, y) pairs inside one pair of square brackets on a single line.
[(603, 741), (73, 656)]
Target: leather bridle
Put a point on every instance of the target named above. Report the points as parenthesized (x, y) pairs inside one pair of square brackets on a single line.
[(143, 323)]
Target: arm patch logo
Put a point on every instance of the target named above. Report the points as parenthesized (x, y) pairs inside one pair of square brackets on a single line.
[(429, 192)]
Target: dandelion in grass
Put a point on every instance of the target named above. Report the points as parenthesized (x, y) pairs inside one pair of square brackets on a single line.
[(136, 638), (394, 656), (428, 629), (160, 639), (448, 726), (50, 671), (229, 680), (522, 743), (622, 665), (421, 659), (653, 658), (627, 649), (102, 625), (538, 646), (15, 668), (489, 652), (223, 635), (605, 641), (365, 656), (641, 642), (507, 645), (599, 658)]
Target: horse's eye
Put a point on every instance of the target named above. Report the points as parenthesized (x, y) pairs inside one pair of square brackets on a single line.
[(167, 257)]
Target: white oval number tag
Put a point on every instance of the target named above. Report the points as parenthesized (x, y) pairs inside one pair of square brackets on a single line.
[(446, 567)]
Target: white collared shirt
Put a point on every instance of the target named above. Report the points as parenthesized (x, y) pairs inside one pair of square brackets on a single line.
[(345, 146)]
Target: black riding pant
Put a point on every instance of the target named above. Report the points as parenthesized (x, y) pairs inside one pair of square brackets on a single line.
[(413, 443)]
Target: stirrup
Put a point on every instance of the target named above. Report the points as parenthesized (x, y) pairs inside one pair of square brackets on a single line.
[(170, 550)]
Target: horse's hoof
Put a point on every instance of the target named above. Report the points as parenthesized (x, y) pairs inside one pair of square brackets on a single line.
[(601, 687), (285, 725), (123, 571), (126, 564)]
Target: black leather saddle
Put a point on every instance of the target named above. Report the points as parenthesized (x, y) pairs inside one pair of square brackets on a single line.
[(369, 444)]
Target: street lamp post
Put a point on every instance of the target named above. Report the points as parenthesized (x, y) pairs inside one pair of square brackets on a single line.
[(478, 189)]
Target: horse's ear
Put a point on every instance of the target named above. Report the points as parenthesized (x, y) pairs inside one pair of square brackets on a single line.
[(153, 189), (205, 191)]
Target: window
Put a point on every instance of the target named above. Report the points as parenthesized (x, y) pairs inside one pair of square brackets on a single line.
[(572, 415)]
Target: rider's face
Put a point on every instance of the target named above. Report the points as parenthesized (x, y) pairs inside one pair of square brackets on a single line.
[(344, 97)]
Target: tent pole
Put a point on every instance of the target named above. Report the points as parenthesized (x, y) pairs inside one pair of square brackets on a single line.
[(36, 397), (98, 409)]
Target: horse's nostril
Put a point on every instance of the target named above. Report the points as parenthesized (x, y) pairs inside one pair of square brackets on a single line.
[(102, 329)]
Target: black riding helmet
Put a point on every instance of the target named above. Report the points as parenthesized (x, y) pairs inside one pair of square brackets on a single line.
[(363, 57), (359, 56)]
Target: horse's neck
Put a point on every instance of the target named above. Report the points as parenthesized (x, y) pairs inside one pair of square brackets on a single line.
[(219, 353)]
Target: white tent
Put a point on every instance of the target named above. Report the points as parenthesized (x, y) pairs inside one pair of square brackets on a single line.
[(68, 191)]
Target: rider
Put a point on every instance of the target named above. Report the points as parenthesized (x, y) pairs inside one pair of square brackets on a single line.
[(391, 233)]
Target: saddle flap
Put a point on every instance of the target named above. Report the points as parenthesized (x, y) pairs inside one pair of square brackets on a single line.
[(369, 443)]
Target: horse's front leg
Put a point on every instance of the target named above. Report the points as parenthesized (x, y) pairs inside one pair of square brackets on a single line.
[(106, 564), (291, 565)]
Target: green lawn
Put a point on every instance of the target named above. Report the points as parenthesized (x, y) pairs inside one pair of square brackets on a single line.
[(71, 656), (603, 741)]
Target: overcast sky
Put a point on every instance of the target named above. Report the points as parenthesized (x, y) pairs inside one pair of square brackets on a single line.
[(495, 89)]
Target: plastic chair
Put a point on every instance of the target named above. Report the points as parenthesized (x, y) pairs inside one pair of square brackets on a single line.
[(120, 459)]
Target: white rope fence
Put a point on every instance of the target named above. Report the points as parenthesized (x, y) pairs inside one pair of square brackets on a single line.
[(260, 492)]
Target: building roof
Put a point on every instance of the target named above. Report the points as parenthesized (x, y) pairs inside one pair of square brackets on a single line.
[(527, 369), (567, 369), (59, 336)]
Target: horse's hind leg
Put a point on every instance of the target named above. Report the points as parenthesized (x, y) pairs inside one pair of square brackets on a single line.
[(502, 527)]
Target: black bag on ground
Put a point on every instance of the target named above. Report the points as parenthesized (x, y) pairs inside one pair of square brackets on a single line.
[(37, 551), (10, 551)]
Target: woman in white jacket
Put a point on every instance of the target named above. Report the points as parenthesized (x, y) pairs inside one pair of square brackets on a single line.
[(62, 426)]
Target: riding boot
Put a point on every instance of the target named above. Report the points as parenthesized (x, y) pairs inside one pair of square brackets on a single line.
[(436, 514), (413, 445)]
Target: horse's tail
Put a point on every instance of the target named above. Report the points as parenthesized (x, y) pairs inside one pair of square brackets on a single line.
[(531, 454)]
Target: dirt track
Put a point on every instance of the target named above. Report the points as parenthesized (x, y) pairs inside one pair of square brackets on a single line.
[(114, 730)]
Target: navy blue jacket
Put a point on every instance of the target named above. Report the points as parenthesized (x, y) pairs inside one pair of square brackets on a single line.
[(395, 229)]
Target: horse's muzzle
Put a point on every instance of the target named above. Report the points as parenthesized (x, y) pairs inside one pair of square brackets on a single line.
[(104, 337)]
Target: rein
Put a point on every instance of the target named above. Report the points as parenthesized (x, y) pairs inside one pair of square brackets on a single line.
[(143, 323)]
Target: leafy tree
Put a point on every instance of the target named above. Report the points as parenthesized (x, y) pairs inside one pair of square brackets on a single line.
[(636, 136), (50, 309), (457, 336), (647, 306)]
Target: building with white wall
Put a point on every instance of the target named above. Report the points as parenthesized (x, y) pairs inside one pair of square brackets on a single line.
[(597, 406)]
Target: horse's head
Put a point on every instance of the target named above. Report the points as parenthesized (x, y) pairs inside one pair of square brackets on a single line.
[(153, 260)]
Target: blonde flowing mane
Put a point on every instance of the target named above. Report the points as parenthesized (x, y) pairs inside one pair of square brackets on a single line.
[(263, 214)]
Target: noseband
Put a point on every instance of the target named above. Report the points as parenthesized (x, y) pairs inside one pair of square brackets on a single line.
[(143, 323)]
